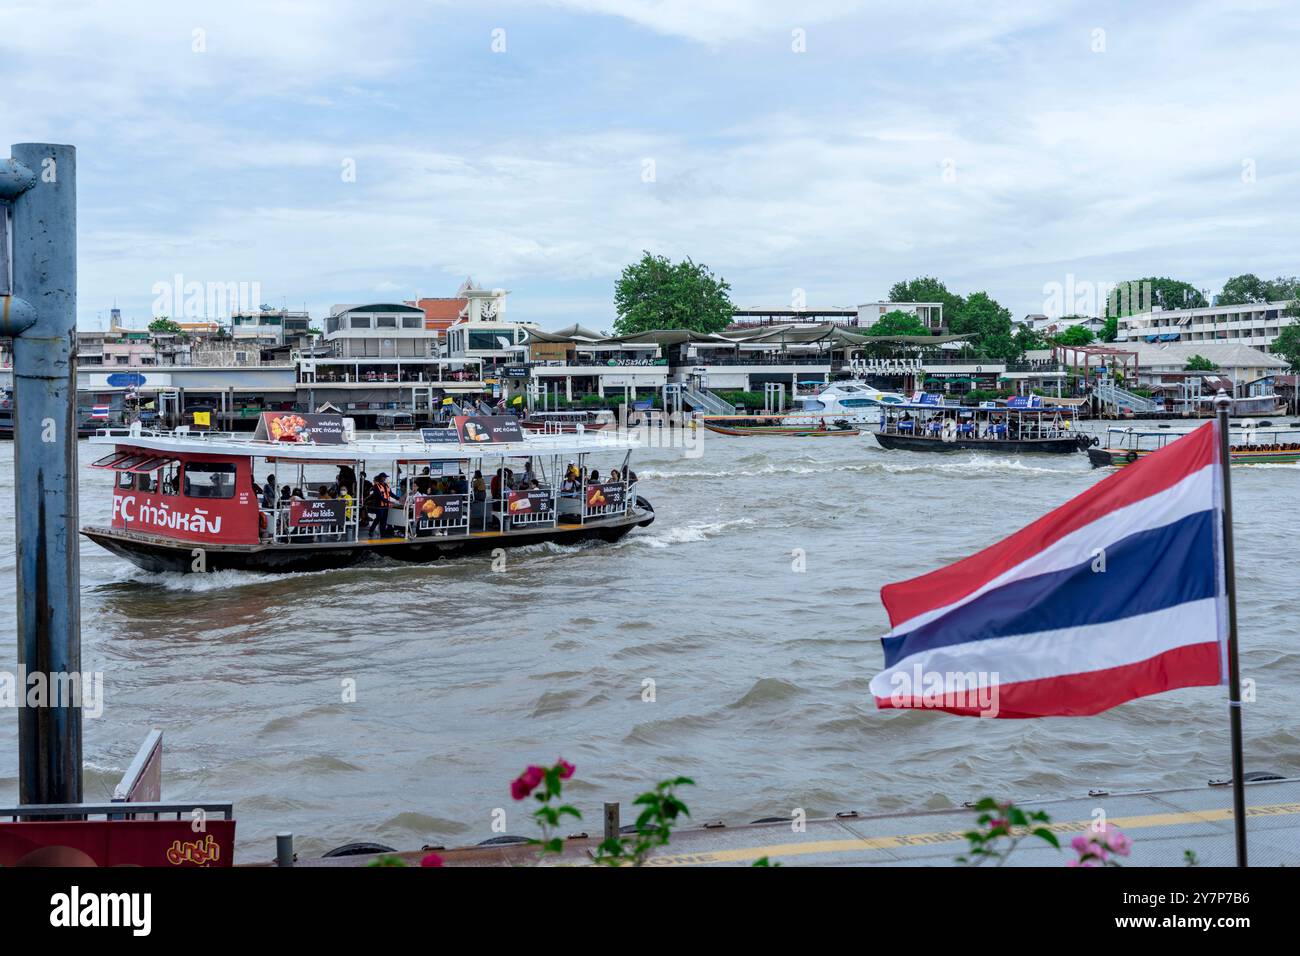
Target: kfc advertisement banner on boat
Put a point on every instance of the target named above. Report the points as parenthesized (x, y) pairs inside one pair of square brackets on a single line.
[(194, 514), (488, 429), (320, 429), (528, 502), (434, 511), (611, 494), (316, 514)]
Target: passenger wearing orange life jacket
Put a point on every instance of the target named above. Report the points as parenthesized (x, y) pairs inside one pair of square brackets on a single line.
[(383, 499)]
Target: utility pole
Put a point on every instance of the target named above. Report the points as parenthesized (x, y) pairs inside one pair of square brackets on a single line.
[(38, 310)]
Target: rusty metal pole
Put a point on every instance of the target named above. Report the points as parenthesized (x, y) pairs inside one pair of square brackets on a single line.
[(40, 184)]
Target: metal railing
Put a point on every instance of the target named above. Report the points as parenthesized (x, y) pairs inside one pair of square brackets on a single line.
[(705, 400), (117, 810)]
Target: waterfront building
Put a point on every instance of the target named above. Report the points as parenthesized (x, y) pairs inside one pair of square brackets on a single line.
[(271, 327), (484, 333), (1254, 324), (1166, 362), (930, 313)]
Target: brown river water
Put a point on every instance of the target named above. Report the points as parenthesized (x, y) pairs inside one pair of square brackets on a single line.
[(464, 675)]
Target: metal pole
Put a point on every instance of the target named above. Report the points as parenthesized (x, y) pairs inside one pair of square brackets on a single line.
[(611, 821), (284, 849), (1222, 402), (41, 182)]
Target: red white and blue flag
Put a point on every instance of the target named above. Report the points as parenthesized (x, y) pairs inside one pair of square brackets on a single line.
[(99, 411), (1117, 594)]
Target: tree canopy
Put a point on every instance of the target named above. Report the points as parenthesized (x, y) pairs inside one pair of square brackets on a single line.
[(927, 289), (1074, 335), (1243, 289), (163, 326), (1132, 296), (988, 324), (1287, 344), (898, 322), (1199, 363), (656, 293)]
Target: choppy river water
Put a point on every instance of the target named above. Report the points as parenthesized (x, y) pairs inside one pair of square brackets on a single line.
[(759, 671)]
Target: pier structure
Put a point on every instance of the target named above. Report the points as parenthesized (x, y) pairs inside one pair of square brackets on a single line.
[(38, 310)]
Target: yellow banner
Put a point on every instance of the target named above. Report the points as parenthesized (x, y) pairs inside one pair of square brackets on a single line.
[(203, 418)]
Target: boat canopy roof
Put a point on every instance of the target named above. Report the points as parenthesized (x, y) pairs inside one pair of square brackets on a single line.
[(403, 446)]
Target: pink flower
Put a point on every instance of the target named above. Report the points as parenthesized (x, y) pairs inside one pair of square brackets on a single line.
[(527, 782), (1119, 843), (1080, 845), (566, 769), (431, 859)]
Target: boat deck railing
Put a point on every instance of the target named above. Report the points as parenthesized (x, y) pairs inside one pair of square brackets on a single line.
[(469, 517)]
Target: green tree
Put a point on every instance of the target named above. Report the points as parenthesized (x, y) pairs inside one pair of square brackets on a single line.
[(655, 293), (989, 326), (163, 326), (1110, 330), (927, 289), (1199, 363), (1165, 293), (898, 322), (1243, 289), (1287, 344), (1027, 339), (1074, 335)]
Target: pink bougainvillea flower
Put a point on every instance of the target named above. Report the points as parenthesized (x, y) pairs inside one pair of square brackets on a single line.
[(431, 859), (566, 769), (1119, 843), (527, 782), (1080, 844)]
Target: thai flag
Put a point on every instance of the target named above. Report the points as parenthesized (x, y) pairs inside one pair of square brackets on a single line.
[(99, 412), (1116, 594)]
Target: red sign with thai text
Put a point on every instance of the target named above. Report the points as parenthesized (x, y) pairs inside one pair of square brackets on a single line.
[(117, 843)]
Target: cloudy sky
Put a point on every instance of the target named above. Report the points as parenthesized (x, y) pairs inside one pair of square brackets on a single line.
[(360, 151)]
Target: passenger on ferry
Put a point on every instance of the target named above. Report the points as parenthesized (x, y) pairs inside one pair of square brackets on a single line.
[(424, 483), (529, 475), (613, 475), (383, 499), (480, 489), (594, 477), (268, 492), (347, 478)]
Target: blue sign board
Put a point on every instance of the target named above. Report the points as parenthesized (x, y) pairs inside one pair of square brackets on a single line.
[(125, 379)]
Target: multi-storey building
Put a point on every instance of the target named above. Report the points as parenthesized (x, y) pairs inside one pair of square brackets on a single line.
[(1256, 324)]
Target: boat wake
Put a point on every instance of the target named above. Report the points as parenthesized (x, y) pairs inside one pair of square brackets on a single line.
[(687, 533)]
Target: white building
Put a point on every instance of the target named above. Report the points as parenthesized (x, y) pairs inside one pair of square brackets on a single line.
[(483, 332), (1254, 324), (930, 313), (1237, 361)]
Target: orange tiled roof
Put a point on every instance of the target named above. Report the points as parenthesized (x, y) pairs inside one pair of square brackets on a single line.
[(440, 314)]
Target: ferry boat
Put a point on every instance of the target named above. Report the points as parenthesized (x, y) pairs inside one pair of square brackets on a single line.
[(779, 425), (1248, 443), (192, 502), (1024, 424), (568, 422), (838, 408)]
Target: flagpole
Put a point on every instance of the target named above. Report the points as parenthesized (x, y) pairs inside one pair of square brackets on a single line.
[(1222, 404)]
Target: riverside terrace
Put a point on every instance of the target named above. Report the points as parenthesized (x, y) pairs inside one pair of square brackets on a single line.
[(575, 361)]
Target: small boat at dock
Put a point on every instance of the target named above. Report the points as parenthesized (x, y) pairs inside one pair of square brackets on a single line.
[(191, 502), (779, 425), (1249, 444)]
